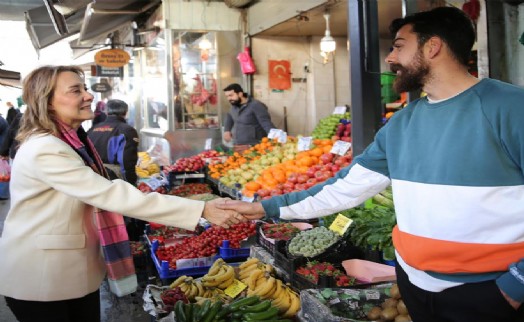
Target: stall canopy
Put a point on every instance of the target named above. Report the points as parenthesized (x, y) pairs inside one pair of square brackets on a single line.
[(91, 20), (10, 78)]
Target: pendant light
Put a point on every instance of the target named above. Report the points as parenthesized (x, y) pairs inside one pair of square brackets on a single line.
[(327, 43)]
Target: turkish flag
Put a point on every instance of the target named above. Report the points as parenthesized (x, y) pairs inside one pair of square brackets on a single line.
[(279, 74)]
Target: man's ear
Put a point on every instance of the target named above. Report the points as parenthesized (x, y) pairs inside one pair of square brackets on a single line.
[(433, 46)]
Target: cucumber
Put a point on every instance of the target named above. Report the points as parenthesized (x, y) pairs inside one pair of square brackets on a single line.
[(179, 311), (383, 201), (212, 312), (259, 307), (202, 310), (189, 312), (250, 300), (270, 313)]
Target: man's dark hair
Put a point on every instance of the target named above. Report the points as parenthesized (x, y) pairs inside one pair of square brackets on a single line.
[(116, 107), (234, 87), (450, 24)]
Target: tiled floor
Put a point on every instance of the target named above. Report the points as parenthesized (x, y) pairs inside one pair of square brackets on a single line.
[(114, 309)]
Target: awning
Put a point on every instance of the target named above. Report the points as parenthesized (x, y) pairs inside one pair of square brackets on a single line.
[(10, 78), (105, 16), (42, 31)]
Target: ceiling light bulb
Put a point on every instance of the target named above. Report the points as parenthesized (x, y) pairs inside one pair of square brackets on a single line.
[(204, 44), (327, 43)]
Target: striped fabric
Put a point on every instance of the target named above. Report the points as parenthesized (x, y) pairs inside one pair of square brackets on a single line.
[(111, 228)]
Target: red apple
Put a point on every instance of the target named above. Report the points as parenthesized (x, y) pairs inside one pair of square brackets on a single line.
[(292, 178), (326, 158), (302, 178), (288, 185), (262, 192), (276, 192)]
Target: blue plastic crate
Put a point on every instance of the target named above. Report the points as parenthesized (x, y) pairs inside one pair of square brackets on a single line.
[(228, 253), (166, 273)]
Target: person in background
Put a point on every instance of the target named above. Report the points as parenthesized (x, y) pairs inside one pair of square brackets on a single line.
[(117, 144), (248, 121), (9, 145), (3, 129), (12, 112), (100, 113), (64, 208), (455, 160)]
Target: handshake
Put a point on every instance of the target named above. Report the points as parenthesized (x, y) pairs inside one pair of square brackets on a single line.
[(225, 212)]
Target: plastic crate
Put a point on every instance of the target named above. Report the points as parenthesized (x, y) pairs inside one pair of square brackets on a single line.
[(228, 254), (165, 273)]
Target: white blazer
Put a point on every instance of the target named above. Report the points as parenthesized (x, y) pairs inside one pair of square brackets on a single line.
[(49, 249)]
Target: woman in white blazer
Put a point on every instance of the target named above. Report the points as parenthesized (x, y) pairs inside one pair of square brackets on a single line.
[(51, 266)]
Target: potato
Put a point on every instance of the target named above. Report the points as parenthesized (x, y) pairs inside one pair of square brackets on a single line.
[(403, 318), (389, 313), (394, 292), (390, 303), (374, 313), (401, 307)]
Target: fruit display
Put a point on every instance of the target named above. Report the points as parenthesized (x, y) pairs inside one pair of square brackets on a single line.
[(261, 282), (314, 270), (146, 166), (280, 231), (327, 126), (309, 243), (190, 189), (192, 163), (206, 243), (171, 296)]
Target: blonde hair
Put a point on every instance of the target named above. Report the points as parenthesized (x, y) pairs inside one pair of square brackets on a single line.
[(37, 91)]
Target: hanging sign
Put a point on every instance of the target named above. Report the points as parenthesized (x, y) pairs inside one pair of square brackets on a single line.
[(101, 87), (112, 58), (102, 71)]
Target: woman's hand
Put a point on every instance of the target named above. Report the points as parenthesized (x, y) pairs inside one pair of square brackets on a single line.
[(250, 211), (221, 216)]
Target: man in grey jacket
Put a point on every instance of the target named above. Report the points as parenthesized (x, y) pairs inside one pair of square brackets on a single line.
[(248, 121)]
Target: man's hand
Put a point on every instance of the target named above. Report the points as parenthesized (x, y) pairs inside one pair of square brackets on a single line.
[(227, 136), (219, 216), (511, 301), (250, 211)]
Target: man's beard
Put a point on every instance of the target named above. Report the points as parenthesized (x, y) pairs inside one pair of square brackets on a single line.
[(411, 77), (235, 102)]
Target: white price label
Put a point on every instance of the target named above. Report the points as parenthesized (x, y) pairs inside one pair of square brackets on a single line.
[(273, 133), (282, 138), (340, 147), (304, 143), (339, 110), (247, 199), (208, 144)]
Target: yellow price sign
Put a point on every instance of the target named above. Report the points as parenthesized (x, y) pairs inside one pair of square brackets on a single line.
[(234, 289), (340, 224)]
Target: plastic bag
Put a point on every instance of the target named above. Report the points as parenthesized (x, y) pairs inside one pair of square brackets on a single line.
[(246, 63), (5, 170)]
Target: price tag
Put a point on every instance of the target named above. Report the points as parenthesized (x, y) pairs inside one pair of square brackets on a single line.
[(340, 147), (154, 183), (304, 143), (339, 110), (340, 224), (234, 289), (282, 138), (273, 133), (207, 146)]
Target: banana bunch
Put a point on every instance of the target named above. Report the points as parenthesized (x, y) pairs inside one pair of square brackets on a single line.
[(146, 166), (287, 302), (252, 264), (220, 275), (189, 286)]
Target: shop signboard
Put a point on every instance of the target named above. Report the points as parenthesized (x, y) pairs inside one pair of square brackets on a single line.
[(101, 87), (112, 58), (102, 71)]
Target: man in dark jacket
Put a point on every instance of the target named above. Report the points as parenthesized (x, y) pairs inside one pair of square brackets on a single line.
[(116, 142), (12, 112), (248, 121)]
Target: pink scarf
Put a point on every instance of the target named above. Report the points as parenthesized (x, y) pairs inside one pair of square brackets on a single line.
[(111, 228)]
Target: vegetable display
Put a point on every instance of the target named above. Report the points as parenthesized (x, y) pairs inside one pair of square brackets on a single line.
[(310, 243)]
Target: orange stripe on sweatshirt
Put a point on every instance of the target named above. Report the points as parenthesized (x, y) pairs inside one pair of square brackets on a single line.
[(449, 257)]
